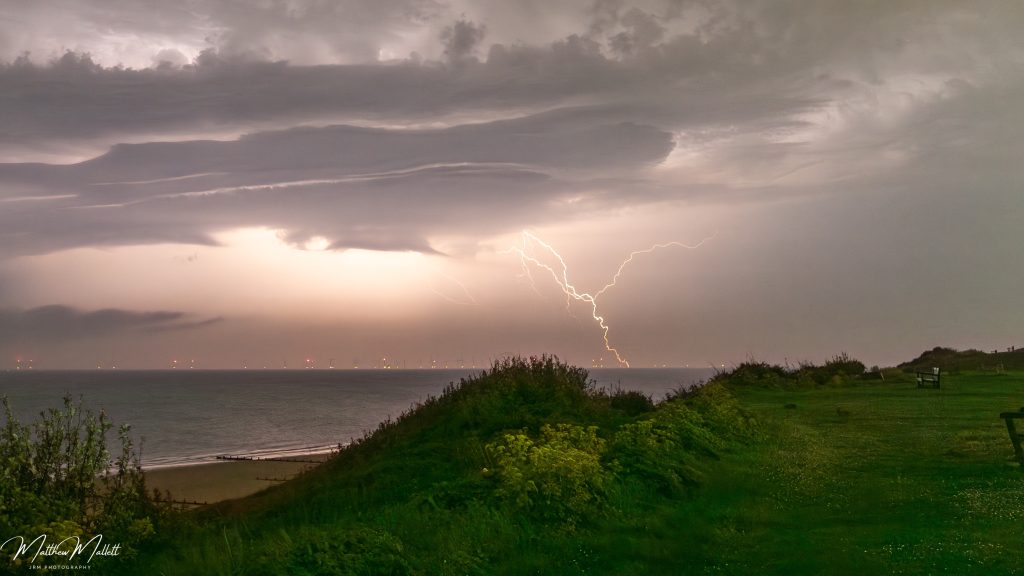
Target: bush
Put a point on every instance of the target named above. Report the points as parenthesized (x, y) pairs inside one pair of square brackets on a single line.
[(721, 416), (663, 448), (57, 478), (514, 393), (753, 373), (557, 477), (836, 371), (127, 513), (653, 452), (845, 365), (48, 471), (631, 402)]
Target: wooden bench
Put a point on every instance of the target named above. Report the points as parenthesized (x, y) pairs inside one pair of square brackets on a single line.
[(1015, 437), (928, 379)]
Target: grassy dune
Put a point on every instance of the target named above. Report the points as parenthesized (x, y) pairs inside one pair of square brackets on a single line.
[(523, 470), (527, 471)]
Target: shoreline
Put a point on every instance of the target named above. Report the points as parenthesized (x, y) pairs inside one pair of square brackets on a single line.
[(210, 482), (274, 455)]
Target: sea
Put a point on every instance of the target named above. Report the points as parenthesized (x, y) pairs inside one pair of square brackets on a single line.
[(182, 417)]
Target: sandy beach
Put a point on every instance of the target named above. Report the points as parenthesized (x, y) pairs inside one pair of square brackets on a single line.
[(223, 480)]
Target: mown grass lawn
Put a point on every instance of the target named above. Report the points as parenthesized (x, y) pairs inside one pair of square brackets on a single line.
[(868, 479)]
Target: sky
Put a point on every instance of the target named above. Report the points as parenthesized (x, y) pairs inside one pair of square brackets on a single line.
[(231, 183)]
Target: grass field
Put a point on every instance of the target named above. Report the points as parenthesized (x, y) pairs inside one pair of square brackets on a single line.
[(860, 477), (871, 479)]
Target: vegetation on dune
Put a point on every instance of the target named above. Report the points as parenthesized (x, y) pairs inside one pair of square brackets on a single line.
[(528, 469), (501, 473), (950, 359), (836, 371), (58, 478)]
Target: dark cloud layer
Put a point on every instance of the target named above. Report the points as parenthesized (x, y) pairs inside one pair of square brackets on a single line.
[(358, 187), (735, 72), (894, 126), (57, 323)]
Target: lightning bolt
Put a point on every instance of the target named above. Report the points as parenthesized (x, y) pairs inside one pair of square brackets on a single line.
[(561, 277)]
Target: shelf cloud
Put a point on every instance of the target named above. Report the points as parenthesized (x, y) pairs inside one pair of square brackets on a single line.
[(441, 129)]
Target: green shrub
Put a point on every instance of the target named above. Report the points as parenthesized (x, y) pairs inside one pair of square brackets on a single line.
[(837, 371), (663, 448), (652, 452), (49, 470), (57, 478), (127, 513), (720, 413), (631, 402), (557, 477), (753, 373), (688, 428), (514, 393), (844, 364)]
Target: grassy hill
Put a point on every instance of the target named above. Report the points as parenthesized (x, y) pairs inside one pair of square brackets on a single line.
[(951, 359), (529, 470), (524, 469)]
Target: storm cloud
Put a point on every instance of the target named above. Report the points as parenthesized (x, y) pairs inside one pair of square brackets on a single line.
[(57, 323), (436, 128), (357, 187)]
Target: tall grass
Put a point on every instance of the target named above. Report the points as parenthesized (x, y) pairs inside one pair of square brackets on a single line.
[(528, 469), (494, 475)]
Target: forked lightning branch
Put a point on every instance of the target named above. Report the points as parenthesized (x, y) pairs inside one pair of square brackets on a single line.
[(530, 244)]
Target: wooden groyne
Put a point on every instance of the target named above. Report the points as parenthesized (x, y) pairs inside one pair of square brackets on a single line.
[(261, 459)]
